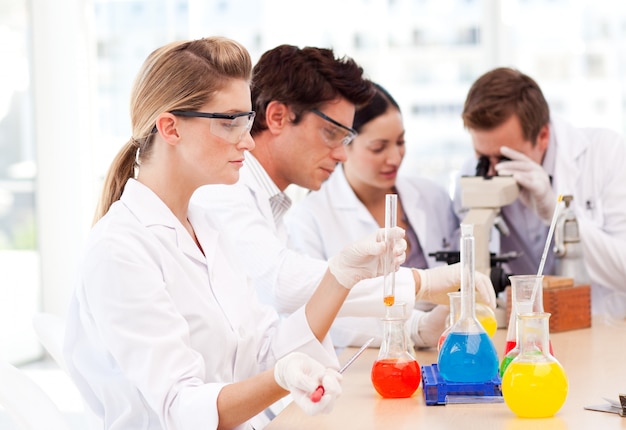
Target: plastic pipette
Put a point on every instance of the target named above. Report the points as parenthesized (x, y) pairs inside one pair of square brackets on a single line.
[(316, 395), (547, 246), (391, 216)]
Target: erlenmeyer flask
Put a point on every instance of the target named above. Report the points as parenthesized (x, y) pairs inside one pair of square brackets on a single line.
[(395, 373), (534, 384), (526, 296), (453, 316), (467, 353)]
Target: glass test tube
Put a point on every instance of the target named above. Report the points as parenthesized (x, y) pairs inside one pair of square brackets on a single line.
[(391, 216)]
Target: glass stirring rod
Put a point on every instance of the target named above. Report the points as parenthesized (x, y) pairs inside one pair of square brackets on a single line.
[(391, 216), (316, 396)]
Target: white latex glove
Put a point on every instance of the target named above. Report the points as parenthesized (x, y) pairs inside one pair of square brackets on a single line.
[(426, 327), (301, 375), (536, 190), (437, 282), (364, 259)]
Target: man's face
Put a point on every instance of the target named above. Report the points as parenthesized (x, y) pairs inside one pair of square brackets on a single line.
[(487, 143), (312, 148)]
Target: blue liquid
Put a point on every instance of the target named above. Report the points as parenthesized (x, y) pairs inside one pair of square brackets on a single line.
[(468, 358)]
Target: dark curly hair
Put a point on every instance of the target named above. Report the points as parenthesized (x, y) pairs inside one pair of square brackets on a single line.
[(304, 79)]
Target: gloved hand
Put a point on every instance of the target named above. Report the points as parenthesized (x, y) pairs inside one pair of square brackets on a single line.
[(426, 327), (536, 190), (301, 375), (437, 282), (364, 259)]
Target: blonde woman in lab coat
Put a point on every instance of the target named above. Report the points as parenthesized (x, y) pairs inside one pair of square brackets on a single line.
[(164, 332), (352, 203)]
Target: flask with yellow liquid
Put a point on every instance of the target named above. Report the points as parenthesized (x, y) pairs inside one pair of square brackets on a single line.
[(534, 384)]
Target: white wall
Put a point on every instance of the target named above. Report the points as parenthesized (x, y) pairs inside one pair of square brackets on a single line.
[(64, 115)]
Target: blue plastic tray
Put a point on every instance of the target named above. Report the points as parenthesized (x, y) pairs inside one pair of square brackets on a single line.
[(436, 389)]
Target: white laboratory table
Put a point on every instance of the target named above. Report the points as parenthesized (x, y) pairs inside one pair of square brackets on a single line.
[(594, 360)]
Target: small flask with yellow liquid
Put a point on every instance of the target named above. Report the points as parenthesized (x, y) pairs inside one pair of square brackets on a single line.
[(534, 384)]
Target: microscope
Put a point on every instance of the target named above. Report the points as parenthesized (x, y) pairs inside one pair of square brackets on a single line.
[(567, 247), (482, 196)]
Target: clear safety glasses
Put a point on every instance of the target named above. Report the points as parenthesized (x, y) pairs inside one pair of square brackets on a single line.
[(337, 135), (230, 127)]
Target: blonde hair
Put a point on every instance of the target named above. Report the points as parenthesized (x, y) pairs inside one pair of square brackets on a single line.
[(179, 76)]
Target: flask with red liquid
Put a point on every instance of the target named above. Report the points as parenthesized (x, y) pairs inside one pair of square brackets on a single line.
[(395, 373)]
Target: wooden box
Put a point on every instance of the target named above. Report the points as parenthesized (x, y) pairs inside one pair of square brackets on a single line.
[(569, 305)]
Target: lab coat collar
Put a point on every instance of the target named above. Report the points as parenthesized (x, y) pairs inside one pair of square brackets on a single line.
[(206, 233), (569, 139), (151, 212), (345, 198), (412, 208), (574, 143)]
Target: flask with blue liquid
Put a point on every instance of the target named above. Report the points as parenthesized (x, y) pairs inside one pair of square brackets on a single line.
[(468, 354)]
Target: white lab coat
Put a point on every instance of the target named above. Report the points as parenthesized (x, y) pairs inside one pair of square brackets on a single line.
[(156, 328), (325, 221), (591, 166), (284, 278)]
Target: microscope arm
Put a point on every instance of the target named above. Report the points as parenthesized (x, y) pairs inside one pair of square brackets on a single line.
[(482, 219)]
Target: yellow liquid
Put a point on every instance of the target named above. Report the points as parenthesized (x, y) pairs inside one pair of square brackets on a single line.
[(389, 300), (534, 390), (489, 324), (487, 319)]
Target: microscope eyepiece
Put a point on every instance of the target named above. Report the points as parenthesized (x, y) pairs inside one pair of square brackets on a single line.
[(482, 167)]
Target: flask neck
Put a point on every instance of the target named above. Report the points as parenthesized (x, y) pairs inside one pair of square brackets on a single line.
[(533, 333), (394, 343), (455, 308), (526, 294), (467, 277)]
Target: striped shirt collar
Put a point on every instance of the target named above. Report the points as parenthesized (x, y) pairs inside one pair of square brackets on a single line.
[(279, 201)]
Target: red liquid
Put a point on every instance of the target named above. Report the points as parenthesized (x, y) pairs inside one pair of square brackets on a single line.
[(510, 344), (442, 338), (395, 379)]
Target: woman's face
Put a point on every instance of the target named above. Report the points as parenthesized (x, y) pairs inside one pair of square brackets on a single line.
[(375, 155), (207, 155)]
